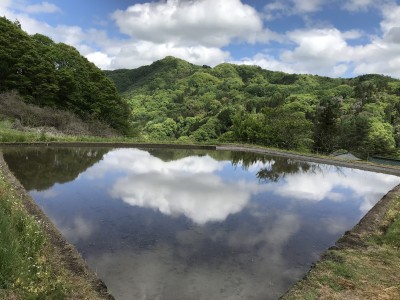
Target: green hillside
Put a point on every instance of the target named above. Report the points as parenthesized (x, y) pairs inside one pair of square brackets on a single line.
[(173, 99), (55, 75)]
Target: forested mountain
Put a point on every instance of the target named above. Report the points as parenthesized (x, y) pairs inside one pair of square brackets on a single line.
[(173, 99), (54, 74)]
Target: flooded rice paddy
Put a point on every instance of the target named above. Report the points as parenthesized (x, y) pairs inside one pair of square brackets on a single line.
[(193, 224)]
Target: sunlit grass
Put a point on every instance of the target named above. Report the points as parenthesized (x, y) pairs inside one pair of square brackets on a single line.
[(364, 273), (24, 270)]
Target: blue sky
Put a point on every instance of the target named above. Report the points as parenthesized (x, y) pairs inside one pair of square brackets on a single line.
[(325, 37)]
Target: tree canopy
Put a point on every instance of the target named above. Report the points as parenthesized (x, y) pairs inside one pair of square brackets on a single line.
[(46, 73), (173, 99)]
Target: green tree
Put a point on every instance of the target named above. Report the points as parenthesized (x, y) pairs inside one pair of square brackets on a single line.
[(326, 129)]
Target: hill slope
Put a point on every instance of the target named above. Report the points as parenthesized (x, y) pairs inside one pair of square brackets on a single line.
[(50, 74), (173, 99)]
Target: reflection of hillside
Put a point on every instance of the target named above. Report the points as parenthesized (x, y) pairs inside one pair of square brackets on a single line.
[(40, 168), (274, 167), (174, 154)]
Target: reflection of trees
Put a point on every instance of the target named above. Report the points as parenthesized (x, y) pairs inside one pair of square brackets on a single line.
[(41, 168), (284, 166), (274, 167)]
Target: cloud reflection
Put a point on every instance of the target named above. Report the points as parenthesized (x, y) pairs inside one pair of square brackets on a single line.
[(137, 161), (187, 186), (320, 185), (76, 230), (162, 272), (191, 187)]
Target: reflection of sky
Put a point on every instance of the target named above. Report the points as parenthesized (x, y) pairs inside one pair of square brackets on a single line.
[(197, 228), (187, 186), (205, 190)]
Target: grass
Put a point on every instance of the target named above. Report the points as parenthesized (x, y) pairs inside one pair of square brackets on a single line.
[(370, 272), (30, 266), (9, 135), (24, 269)]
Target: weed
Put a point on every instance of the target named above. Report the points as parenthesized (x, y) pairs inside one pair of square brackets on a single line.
[(24, 270)]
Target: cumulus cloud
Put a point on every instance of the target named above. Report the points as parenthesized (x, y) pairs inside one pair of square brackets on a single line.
[(364, 5), (102, 60), (356, 5), (201, 32), (391, 17), (327, 51), (135, 54), (278, 9), (43, 7), (306, 6), (323, 51), (268, 62), (4, 4), (211, 23)]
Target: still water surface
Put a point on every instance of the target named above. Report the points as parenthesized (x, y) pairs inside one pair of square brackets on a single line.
[(190, 224)]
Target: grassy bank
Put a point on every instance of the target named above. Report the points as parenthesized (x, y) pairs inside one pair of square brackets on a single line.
[(31, 265), (25, 272), (368, 269)]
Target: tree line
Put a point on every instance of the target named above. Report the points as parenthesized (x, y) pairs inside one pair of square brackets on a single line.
[(52, 74), (173, 99)]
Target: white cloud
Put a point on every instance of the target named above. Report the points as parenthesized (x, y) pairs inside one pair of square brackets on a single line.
[(102, 60), (391, 17), (307, 6), (140, 53), (280, 9), (210, 23), (321, 46), (357, 5), (317, 51), (197, 31), (4, 5), (43, 7), (326, 51), (267, 62)]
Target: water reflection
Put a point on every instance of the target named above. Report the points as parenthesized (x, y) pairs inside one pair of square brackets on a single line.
[(187, 186), (40, 168), (179, 272), (203, 225)]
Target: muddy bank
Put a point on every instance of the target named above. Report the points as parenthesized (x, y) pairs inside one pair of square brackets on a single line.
[(63, 252)]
